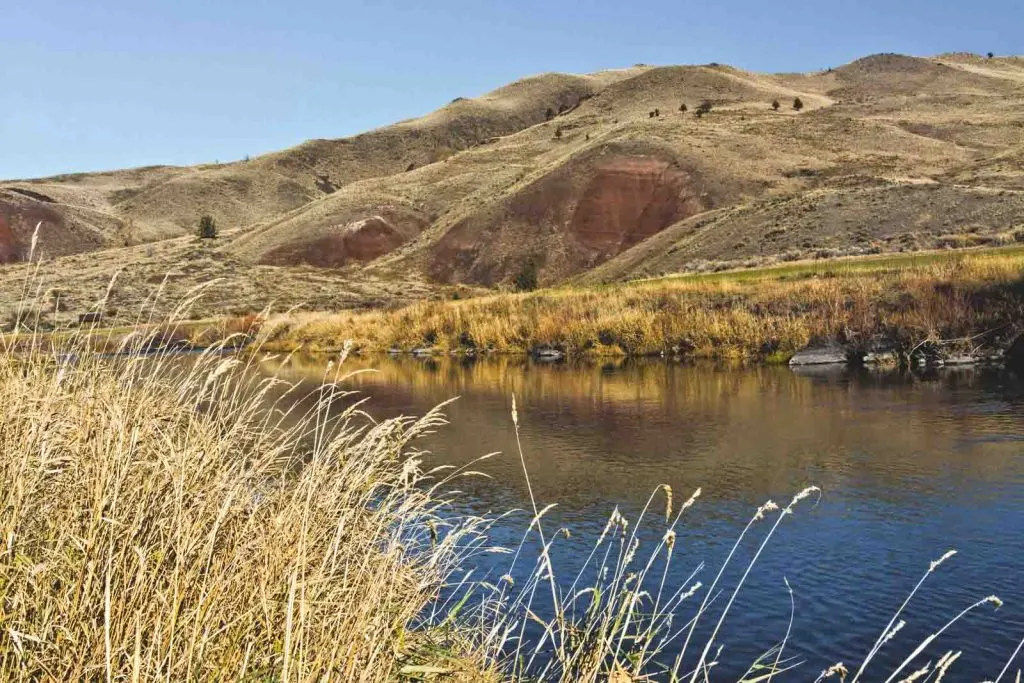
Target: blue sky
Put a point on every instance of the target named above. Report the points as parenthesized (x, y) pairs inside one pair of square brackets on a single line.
[(90, 85)]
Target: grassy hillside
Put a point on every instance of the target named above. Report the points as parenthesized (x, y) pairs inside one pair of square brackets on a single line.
[(594, 178), (147, 204)]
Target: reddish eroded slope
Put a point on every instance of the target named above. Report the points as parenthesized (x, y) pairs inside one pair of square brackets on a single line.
[(10, 250), (359, 241), (63, 229), (628, 200), (571, 219), (21, 215)]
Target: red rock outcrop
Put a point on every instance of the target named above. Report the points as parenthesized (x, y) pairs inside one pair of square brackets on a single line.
[(61, 231), (629, 199), (572, 219), (10, 250)]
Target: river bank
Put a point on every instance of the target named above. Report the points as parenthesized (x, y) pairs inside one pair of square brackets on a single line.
[(152, 492), (948, 304)]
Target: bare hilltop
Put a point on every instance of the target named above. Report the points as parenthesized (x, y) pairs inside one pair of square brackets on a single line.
[(604, 177)]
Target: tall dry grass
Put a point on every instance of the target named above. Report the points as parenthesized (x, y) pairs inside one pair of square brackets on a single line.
[(977, 298), (166, 520)]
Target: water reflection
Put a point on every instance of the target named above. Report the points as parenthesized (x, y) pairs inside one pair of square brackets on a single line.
[(909, 466), (615, 431)]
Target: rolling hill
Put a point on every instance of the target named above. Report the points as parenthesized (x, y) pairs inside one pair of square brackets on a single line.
[(595, 177)]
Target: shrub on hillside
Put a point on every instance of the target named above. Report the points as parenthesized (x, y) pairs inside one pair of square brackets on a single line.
[(126, 233), (526, 279), (798, 104), (775, 105), (54, 301), (207, 227)]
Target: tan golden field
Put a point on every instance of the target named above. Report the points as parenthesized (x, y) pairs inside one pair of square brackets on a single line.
[(591, 178), (954, 303)]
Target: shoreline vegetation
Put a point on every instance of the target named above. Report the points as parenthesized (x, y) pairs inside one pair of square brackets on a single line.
[(169, 520), (936, 304), (952, 306), (163, 520)]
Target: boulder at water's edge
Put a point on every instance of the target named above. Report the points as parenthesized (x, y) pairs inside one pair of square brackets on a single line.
[(822, 355)]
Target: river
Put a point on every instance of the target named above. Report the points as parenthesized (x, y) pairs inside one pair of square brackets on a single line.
[(909, 467)]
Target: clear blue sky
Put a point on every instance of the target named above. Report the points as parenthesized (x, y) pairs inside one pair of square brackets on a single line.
[(98, 84)]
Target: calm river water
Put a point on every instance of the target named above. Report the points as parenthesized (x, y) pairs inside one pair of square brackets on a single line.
[(909, 467)]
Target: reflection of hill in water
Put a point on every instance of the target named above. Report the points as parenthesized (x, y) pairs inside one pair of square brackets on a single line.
[(613, 432)]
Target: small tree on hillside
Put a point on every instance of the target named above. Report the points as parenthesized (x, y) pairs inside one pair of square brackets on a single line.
[(990, 55), (704, 108), (798, 104), (549, 114), (207, 227), (526, 279), (682, 107), (775, 105), (558, 132)]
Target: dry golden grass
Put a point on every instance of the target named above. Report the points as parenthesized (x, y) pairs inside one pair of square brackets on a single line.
[(121, 282), (747, 314), (160, 521)]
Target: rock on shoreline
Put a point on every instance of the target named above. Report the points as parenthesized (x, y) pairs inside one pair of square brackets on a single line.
[(822, 355), (933, 355)]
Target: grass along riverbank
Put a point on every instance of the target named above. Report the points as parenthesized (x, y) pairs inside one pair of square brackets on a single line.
[(968, 299), (160, 521), (170, 519)]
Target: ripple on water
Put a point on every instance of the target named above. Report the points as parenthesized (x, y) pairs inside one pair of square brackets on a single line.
[(909, 467)]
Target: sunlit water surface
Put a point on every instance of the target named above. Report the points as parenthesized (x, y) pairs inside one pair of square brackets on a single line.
[(909, 467)]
